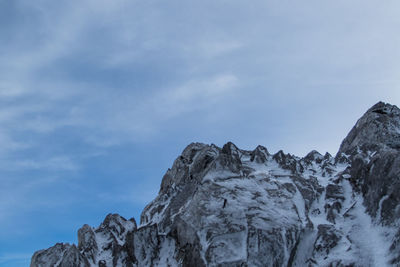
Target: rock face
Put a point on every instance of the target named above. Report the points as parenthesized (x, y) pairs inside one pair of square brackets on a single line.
[(232, 207)]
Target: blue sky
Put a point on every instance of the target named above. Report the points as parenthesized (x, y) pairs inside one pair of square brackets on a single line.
[(97, 98)]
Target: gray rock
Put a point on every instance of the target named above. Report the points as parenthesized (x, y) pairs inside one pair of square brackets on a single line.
[(327, 238), (259, 155), (376, 129), (60, 255), (87, 243), (334, 191), (316, 157)]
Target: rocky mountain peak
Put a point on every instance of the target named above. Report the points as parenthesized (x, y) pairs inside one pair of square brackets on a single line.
[(118, 224), (379, 127), (328, 156), (385, 109), (314, 155), (260, 154), (229, 158), (232, 207), (190, 166), (230, 148)]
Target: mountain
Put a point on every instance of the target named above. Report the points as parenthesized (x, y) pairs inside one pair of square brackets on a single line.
[(232, 207)]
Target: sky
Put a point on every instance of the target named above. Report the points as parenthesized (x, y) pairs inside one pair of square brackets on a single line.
[(98, 97)]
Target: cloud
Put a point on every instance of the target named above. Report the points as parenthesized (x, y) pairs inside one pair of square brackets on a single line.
[(8, 144), (54, 164), (38, 76), (194, 94), (116, 72)]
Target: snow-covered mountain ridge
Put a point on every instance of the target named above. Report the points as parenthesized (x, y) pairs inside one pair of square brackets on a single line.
[(232, 207)]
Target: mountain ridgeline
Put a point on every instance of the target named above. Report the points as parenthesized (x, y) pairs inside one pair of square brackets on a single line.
[(232, 207)]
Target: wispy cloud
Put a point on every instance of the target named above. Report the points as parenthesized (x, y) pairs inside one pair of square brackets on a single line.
[(118, 71), (194, 94), (54, 164)]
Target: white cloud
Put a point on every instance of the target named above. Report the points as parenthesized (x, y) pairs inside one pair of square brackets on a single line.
[(59, 163), (220, 48), (296, 48), (8, 144), (199, 90), (11, 89)]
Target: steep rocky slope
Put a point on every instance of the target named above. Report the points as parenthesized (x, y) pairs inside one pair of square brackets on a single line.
[(231, 207)]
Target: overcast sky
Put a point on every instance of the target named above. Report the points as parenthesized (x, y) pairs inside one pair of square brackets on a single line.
[(98, 97)]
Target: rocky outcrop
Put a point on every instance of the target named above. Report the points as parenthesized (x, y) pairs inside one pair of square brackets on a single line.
[(373, 150), (106, 245), (232, 207), (60, 255), (377, 129)]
